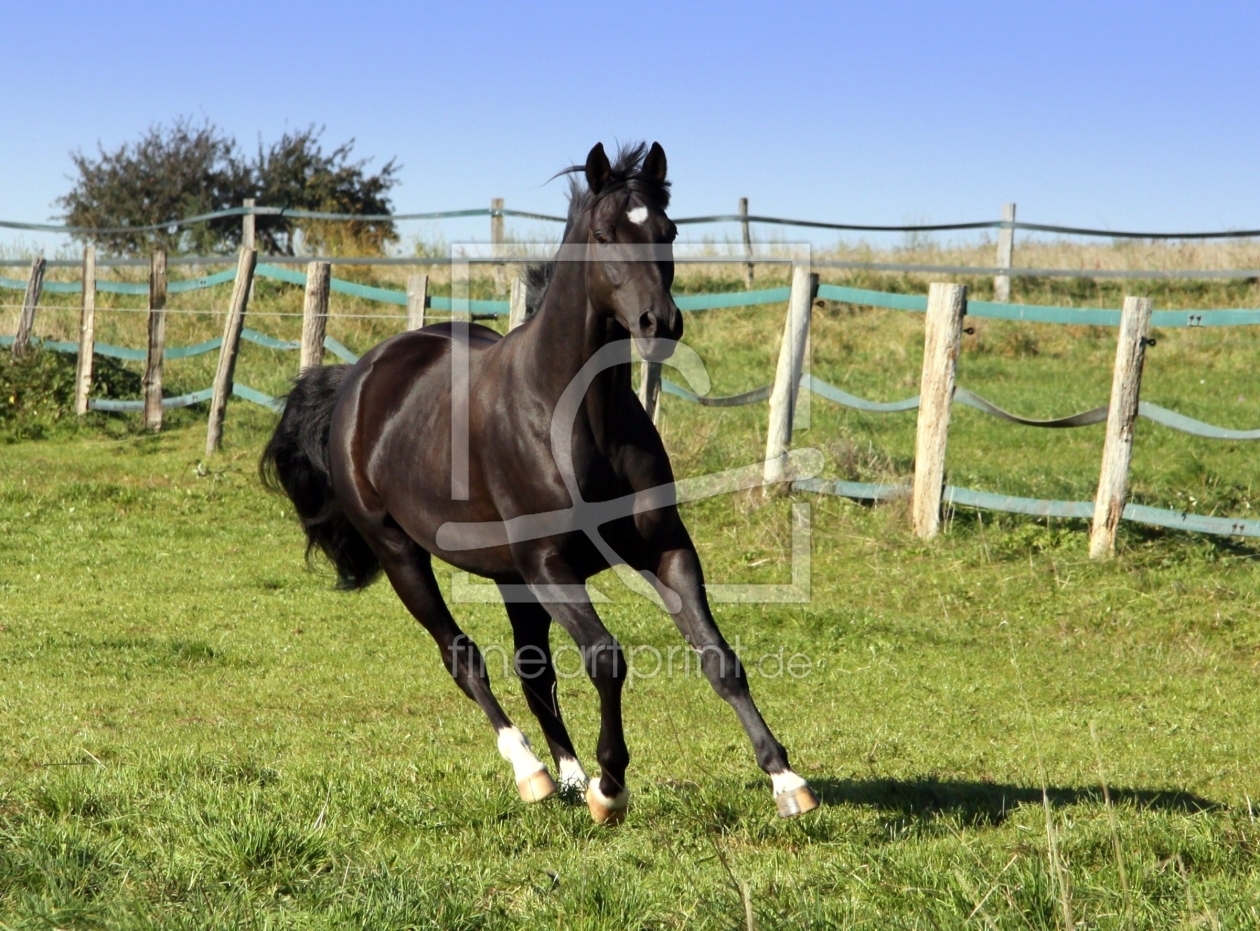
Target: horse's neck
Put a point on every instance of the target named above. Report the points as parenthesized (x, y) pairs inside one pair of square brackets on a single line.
[(565, 333)]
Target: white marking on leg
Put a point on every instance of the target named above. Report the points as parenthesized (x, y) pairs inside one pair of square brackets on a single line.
[(621, 800), (637, 215), (786, 781), (514, 747), (571, 773)]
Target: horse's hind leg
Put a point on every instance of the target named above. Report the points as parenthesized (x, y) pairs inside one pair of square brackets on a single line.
[(605, 663), (410, 571), (531, 629)]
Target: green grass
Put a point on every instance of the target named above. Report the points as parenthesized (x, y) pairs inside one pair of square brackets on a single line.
[(197, 732)]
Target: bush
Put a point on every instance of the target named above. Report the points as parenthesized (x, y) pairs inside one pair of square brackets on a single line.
[(37, 390), (185, 170)]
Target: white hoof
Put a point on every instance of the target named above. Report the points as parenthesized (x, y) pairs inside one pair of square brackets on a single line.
[(604, 810), (792, 794), (532, 779), (536, 787)]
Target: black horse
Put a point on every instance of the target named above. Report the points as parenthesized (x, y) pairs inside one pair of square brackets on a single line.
[(513, 458)]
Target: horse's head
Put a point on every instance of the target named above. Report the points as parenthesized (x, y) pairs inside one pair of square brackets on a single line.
[(630, 255)]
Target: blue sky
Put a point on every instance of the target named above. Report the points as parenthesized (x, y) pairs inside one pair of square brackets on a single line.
[(1131, 115)]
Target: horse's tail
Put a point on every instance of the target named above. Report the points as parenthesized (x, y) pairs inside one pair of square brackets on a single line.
[(296, 462)]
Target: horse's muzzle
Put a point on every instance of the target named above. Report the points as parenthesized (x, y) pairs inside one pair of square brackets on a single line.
[(656, 332)]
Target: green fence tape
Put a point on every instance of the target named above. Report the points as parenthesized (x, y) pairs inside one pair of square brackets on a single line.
[(1083, 419), (1200, 523), (246, 393), (276, 273), (497, 308), (339, 350), (351, 288), (1200, 318), (1175, 421), (117, 352), (186, 352), (1038, 507), (118, 407), (198, 284), (270, 342), (735, 400), (832, 292), (731, 299), (122, 287), (384, 295), (832, 393), (1034, 507)]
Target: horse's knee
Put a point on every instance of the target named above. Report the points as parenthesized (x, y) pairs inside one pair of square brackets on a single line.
[(605, 660), (464, 660), (723, 669)]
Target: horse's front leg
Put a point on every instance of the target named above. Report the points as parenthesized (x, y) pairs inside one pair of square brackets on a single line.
[(678, 568)]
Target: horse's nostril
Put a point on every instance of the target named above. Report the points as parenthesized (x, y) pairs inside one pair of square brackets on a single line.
[(647, 323)]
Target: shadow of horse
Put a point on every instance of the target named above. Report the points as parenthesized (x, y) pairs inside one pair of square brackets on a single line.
[(989, 803)]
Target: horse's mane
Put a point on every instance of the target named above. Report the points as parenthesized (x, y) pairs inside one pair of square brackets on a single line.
[(626, 172)]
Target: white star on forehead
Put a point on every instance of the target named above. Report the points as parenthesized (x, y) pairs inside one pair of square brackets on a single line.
[(637, 215)]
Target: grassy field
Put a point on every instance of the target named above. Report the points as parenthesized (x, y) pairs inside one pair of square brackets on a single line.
[(198, 732)]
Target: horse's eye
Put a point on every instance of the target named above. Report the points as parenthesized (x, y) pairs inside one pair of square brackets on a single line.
[(601, 236)]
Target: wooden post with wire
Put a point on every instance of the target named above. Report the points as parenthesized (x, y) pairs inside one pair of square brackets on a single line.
[(314, 314), (1122, 411), (247, 224), (87, 333), (1005, 253), (516, 303), (496, 240), (942, 339), (787, 374), (152, 381), (748, 265), (231, 345), (30, 300), (417, 298)]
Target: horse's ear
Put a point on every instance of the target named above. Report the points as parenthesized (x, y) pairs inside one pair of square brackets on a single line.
[(654, 165), (598, 171)]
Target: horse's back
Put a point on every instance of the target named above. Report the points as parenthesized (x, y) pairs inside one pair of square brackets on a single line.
[(391, 438)]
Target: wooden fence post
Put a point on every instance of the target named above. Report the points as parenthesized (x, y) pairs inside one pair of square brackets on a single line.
[(1126, 386), (247, 224), (417, 297), (941, 341), (227, 353), (787, 374), (87, 333), (496, 222), (1005, 252), (249, 235), (516, 303), (26, 322), (650, 388), (314, 314), (748, 266), (496, 240), (152, 381)]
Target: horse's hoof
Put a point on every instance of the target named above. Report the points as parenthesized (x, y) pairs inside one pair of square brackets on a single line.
[(536, 787), (606, 811), (795, 802)]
